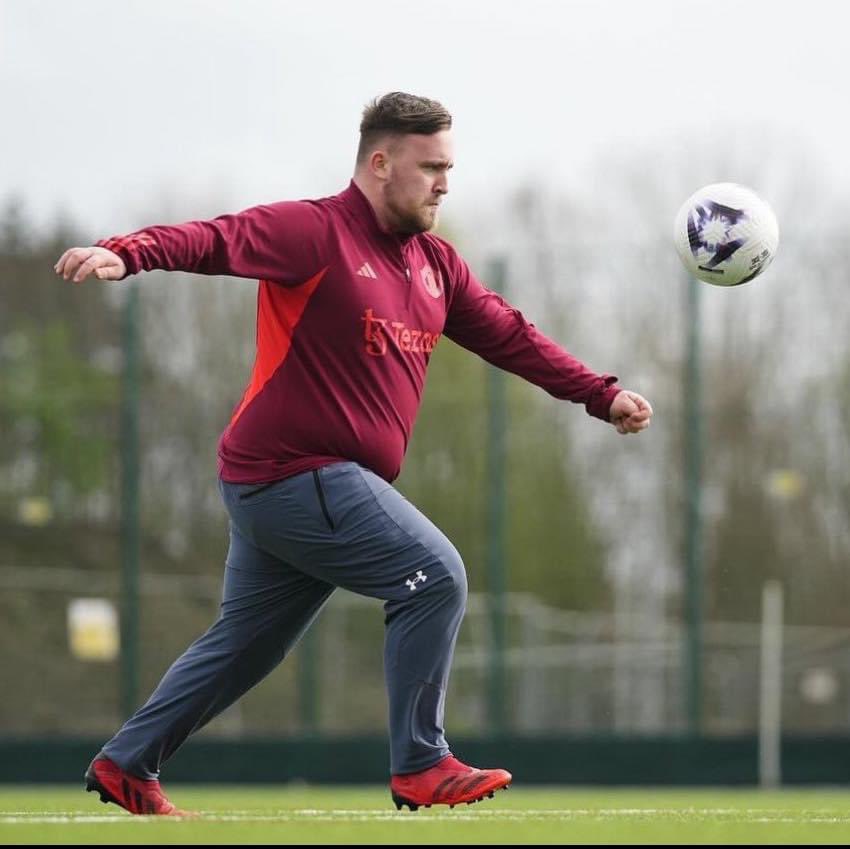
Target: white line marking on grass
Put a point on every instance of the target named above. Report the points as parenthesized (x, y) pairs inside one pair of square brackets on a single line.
[(76, 818), (720, 815)]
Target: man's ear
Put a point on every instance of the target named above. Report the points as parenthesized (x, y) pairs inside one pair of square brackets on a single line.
[(379, 164)]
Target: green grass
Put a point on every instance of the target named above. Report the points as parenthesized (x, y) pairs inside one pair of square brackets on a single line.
[(289, 814)]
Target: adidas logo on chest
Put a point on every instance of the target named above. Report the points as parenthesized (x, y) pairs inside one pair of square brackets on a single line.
[(366, 270)]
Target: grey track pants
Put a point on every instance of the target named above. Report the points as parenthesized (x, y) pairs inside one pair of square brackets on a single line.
[(291, 544)]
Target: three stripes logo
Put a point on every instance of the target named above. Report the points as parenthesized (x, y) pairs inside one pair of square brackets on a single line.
[(366, 270), (135, 802), (457, 786)]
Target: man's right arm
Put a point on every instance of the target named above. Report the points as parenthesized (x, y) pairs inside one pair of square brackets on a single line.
[(278, 242)]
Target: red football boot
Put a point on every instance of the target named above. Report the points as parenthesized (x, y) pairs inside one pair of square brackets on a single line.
[(448, 782), (135, 795)]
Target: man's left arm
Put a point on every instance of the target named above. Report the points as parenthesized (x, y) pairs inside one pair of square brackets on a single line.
[(481, 321)]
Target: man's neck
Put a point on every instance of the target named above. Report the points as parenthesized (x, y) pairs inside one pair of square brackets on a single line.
[(373, 194)]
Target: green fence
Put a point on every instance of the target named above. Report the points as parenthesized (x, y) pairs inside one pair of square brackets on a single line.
[(532, 760)]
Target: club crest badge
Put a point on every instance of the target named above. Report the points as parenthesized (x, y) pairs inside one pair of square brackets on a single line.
[(432, 282)]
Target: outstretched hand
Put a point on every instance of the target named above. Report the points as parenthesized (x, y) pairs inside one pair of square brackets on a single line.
[(77, 264), (630, 412)]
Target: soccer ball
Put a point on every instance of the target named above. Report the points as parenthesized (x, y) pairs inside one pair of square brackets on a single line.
[(725, 234)]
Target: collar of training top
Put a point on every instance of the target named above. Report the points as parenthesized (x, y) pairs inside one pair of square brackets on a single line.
[(358, 204)]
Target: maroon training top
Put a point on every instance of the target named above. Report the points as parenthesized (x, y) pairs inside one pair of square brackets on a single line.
[(347, 317)]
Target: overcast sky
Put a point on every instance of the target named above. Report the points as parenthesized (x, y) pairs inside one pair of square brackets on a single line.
[(114, 110)]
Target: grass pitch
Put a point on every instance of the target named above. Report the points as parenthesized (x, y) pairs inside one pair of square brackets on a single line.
[(305, 815)]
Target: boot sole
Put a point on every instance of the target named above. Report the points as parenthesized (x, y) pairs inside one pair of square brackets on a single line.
[(401, 801)]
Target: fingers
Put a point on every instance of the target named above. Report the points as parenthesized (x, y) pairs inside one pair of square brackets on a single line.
[(87, 267), (634, 423), (627, 404), (77, 264), (630, 412), (640, 402), (109, 272), (625, 429), (60, 265), (71, 262), (643, 405)]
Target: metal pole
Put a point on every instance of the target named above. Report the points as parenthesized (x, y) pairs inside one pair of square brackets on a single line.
[(308, 683), (496, 498), (770, 708), (693, 511), (130, 504)]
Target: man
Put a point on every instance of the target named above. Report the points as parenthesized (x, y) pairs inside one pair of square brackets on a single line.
[(354, 294)]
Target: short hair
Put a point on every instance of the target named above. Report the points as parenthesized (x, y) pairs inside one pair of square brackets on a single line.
[(398, 114)]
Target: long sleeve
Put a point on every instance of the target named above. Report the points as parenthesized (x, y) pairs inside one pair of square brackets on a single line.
[(274, 242), (483, 322)]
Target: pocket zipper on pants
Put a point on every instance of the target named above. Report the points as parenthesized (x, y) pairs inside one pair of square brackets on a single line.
[(321, 494)]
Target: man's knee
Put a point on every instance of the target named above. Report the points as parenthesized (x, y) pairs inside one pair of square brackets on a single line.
[(456, 584)]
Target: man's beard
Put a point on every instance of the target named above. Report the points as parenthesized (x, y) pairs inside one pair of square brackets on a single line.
[(421, 223), (410, 223)]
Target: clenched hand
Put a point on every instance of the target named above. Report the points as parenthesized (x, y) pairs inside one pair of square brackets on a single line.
[(630, 412)]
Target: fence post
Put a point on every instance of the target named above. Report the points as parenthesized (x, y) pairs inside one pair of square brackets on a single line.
[(496, 497), (130, 534), (770, 676)]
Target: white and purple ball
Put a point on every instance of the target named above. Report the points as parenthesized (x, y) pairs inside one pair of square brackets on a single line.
[(725, 234)]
